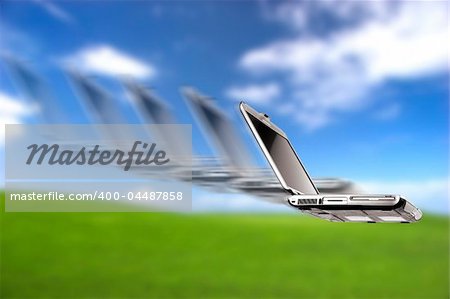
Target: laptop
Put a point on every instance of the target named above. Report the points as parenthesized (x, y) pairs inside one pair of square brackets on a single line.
[(303, 194), (243, 175)]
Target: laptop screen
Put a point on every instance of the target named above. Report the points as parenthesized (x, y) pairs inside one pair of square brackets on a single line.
[(285, 159), (224, 132)]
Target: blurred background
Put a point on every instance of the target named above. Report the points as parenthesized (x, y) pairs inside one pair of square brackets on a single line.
[(361, 89)]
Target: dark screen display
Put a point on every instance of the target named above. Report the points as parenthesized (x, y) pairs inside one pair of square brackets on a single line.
[(284, 157)]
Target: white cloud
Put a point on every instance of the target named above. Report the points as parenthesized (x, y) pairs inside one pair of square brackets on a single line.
[(108, 61), (311, 120), (254, 93), (430, 195), (301, 15), (13, 111), (331, 74), (292, 13), (55, 11)]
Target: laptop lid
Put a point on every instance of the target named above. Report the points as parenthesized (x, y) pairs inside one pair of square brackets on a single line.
[(218, 128), (279, 152)]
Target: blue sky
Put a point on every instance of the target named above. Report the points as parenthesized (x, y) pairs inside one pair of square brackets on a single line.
[(361, 90)]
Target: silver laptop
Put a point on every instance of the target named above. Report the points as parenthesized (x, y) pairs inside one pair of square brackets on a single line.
[(244, 175), (303, 193)]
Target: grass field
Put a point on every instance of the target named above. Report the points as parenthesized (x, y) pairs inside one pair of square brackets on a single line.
[(143, 255)]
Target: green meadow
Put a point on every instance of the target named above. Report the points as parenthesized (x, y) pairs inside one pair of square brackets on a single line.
[(164, 255)]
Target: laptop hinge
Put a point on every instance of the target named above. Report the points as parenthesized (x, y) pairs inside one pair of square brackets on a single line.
[(294, 192)]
